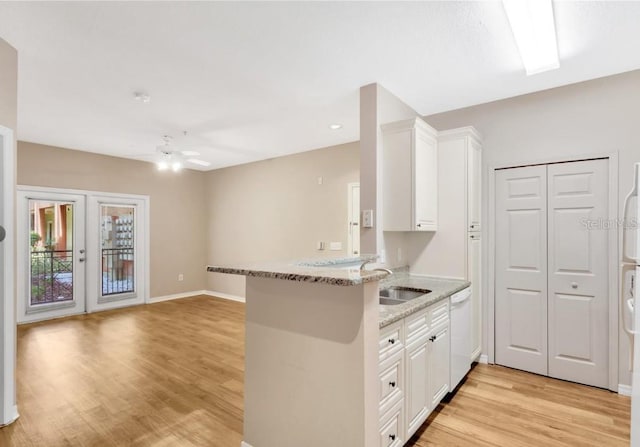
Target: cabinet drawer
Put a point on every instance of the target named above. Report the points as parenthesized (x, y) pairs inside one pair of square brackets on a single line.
[(439, 313), (391, 340), (416, 324), (391, 427), (391, 379)]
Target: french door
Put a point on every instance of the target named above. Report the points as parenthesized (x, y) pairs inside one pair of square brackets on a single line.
[(79, 252), (51, 252)]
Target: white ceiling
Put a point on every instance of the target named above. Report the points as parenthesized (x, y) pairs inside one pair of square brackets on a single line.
[(250, 81)]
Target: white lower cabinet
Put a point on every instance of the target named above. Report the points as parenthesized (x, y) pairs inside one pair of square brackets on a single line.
[(391, 427), (414, 371), (417, 401), (439, 364)]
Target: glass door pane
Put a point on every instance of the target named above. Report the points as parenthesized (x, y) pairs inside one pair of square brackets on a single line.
[(51, 252), (117, 239)]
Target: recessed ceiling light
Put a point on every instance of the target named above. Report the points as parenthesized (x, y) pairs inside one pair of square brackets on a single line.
[(535, 33), (335, 126), (142, 97)]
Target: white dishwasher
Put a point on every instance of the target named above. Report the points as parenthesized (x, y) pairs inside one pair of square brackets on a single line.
[(460, 335)]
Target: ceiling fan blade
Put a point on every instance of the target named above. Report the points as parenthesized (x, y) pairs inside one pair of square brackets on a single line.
[(190, 153)]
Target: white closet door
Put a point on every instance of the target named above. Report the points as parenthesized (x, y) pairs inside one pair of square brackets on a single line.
[(521, 269), (578, 275)]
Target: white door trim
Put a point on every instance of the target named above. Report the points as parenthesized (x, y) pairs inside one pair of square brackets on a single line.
[(8, 409), (613, 256), (25, 312), (115, 196), (141, 246)]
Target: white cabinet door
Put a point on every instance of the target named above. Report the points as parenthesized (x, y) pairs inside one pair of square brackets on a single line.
[(425, 171), (578, 272), (439, 372), (521, 268), (410, 176), (417, 397), (474, 184), (473, 275)]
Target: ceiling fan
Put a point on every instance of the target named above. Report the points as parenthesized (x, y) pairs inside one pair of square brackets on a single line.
[(172, 158)]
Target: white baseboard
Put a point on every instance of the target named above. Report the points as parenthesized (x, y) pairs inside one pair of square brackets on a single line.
[(225, 296), (624, 390), (176, 296), (11, 418), (245, 444), (484, 358)]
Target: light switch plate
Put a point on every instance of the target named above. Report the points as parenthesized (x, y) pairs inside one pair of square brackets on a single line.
[(367, 219)]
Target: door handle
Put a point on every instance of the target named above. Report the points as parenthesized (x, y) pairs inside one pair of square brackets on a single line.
[(3, 233), (629, 329), (81, 260)]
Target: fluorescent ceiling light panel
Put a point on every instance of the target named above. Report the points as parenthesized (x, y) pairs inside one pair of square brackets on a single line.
[(199, 162), (535, 33)]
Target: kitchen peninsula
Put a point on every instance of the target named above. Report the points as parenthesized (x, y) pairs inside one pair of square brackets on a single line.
[(312, 353)]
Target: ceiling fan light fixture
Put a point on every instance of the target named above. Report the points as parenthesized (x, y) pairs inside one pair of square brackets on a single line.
[(163, 165), (534, 31), (176, 166)]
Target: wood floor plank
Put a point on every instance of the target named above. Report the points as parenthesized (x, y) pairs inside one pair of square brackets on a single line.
[(171, 375)]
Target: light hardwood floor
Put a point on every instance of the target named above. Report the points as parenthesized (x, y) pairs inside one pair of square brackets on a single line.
[(170, 374)]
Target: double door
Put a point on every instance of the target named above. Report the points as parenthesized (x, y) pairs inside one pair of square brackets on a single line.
[(79, 252), (552, 303)]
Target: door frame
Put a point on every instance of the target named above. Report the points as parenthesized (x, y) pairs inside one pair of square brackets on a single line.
[(141, 294), (613, 242), (25, 313), (9, 408), (350, 187), (144, 226)]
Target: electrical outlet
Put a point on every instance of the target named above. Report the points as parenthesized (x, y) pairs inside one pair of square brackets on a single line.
[(180, 277)]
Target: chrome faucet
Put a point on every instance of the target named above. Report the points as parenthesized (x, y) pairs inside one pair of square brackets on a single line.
[(378, 269)]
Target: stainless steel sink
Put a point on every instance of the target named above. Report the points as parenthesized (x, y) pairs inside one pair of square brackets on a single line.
[(398, 295)]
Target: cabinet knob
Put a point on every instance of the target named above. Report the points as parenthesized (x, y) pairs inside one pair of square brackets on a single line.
[(418, 225), (392, 340), (574, 285), (392, 384), (392, 437), (432, 338)]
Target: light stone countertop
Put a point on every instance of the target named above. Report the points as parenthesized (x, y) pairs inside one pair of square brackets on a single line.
[(441, 288), (326, 271)]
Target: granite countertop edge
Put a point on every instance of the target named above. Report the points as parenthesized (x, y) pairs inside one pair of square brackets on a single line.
[(441, 289), (336, 277)]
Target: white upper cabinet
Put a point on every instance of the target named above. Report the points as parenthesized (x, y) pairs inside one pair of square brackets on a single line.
[(410, 176), (474, 181)]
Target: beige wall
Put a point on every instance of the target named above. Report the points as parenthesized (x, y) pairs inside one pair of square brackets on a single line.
[(8, 86), (275, 209), (178, 231), (594, 117), (378, 106)]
